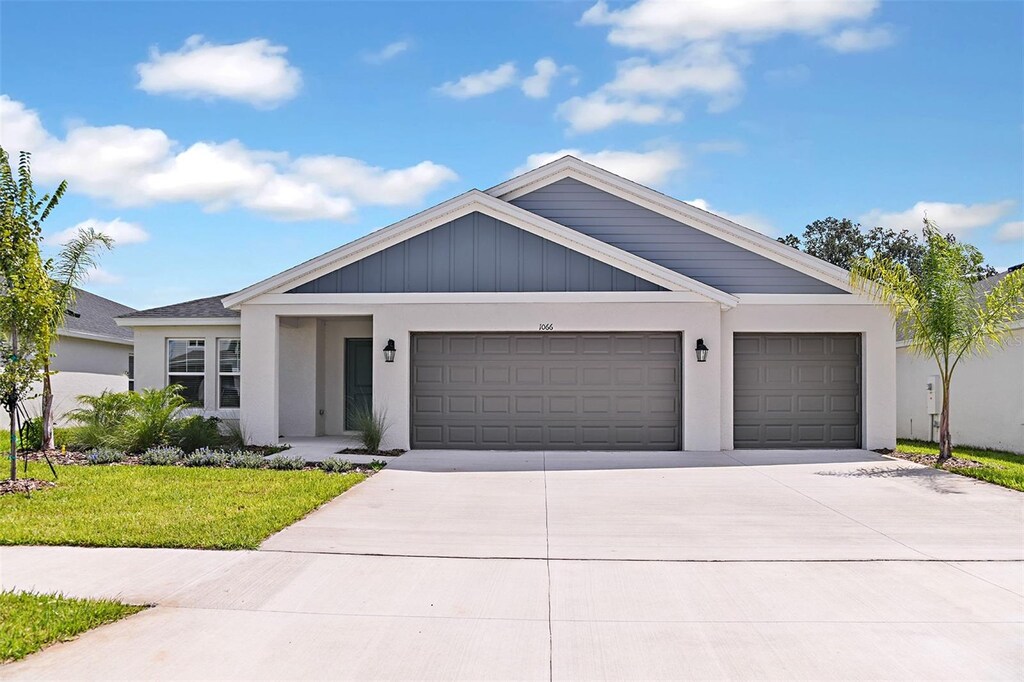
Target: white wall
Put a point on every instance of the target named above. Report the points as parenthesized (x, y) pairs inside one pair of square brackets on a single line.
[(986, 401)]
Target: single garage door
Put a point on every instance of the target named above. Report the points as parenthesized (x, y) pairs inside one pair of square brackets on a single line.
[(554, 391), (796, 391)]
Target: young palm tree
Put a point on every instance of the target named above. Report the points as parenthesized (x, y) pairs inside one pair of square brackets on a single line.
[(941, 310)]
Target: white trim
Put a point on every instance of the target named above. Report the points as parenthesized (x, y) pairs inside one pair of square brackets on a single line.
[(806, 299), (484, 298), (477, 201), (95, 337), (179, 321), (744, 237)]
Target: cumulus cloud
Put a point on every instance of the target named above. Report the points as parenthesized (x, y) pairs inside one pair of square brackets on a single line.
[(545, 70), (953, 218), (142, 166), (599, 110), (387, 53), (647, 168), (857, 39), (751, 220), (1011, 232), (480, 83), (120, 231), (254, 71)]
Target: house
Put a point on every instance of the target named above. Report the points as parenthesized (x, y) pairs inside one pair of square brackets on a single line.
[(986, 396), (567, 308), (92, 354)]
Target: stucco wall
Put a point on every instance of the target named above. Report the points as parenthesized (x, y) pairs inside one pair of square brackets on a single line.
[(987, 397)]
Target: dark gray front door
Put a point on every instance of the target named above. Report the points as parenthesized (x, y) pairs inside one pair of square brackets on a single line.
[(796, 391), (555, 391), (358, 377)]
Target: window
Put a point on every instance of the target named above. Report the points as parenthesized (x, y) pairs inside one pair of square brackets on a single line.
[(186, 366), (229, 373), (131, 372)]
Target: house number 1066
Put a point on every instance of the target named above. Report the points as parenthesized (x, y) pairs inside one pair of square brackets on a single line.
[(547, 326)]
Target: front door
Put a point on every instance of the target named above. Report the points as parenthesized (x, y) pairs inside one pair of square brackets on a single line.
[(358, 378)]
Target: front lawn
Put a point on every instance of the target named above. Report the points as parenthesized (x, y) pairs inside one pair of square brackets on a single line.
[(163, 506), (32, 621), (1002, 468)]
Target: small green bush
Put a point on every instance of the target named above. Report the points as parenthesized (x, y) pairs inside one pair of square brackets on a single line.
[(234, 436), (333, 465), (205, 457), (162, 455), (246, 460), (286, 462), (128, 421), (372, 424), (32, 434), (104, 456), (194, 432), (378, 464)]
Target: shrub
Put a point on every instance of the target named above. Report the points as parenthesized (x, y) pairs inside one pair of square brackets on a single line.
[(128, 421), (285, 462), (246, 460), (104, 456), (333, 465), (234, 436), (378, 464), (32, 434), (372, 425), (100, 416), (162, 455), (194, 432), (205, 457)]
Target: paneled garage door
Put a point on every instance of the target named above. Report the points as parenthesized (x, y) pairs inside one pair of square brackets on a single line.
[(555, 391), (797, 391)]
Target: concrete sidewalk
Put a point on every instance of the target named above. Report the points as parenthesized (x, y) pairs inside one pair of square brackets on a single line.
[(661, 566)]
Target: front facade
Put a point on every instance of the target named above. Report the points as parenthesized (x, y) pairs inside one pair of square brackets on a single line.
[(567, 308)]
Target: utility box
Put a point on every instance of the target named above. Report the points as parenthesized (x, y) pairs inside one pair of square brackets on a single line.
[(932, 389)]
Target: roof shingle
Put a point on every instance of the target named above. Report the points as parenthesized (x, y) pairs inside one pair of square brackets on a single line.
[(92, 314), (210, 306)]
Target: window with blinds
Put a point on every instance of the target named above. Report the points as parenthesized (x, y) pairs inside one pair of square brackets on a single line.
[(229, 373), (186, 366)]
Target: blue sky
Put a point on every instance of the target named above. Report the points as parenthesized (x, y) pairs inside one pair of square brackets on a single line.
[(222, 143)]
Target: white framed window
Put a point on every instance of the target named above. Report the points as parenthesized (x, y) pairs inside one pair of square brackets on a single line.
[(229, 373), (131, 372), (186, 366)]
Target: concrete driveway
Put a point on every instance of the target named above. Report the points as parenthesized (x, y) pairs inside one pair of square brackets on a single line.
[(741, 565)]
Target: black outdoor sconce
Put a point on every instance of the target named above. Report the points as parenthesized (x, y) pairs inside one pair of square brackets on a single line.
[(389, 351), (702, 351)]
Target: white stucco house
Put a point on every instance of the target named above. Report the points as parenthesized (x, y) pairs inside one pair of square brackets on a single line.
[(567, 308), (92, 354), (986, 396)]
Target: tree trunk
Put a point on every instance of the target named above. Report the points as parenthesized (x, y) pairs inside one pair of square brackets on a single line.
[(14, 445), (945, 441), (47, 418)]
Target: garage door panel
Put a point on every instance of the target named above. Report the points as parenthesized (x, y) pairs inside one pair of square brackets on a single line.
[(796, 390), (552, 391)]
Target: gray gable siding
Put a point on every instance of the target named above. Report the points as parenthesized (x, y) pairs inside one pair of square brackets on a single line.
[(475, 253), (664, 241)]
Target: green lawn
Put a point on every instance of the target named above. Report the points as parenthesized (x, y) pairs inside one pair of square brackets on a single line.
[(1002, 468), (154, 506), (32, 621)]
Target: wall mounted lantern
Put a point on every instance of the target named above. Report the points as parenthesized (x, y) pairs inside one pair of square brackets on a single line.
[(389, 351), (702, 351)]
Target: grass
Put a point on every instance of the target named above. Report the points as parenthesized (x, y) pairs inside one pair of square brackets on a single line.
[(164, 506), (999, 467), (33, 621)]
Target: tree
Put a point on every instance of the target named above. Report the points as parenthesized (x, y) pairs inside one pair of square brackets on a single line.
[(26, 295), (76, 259), (941, 309)]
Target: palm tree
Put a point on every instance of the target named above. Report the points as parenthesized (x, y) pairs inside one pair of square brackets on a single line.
[(71, 266), (942, 310)]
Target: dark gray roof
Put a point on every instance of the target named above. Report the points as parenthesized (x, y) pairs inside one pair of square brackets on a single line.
[(92, 314), (200, 307)]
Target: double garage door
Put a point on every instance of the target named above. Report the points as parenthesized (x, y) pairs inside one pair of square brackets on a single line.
[(550, 391)]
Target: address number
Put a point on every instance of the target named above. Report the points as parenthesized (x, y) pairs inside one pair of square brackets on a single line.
[(547, 326)]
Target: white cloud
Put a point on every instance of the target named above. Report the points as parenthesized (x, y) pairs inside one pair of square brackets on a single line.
[(721, 147), (98, 275), (860, 39), (387, 53), (131, 167), (120, 231), (659, 25), (751, 220), (254, 71), (597, 110), (481, 83), (952, 218), (788, 75), (647, 168), (704, 68), (545, 70), (1011, 232)]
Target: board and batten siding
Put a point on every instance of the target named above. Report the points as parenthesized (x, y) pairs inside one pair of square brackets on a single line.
[(475, 253), (667, 242)]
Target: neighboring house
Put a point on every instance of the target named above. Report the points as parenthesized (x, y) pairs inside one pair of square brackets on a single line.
[(567, 308), (92, 354), (986, 396)]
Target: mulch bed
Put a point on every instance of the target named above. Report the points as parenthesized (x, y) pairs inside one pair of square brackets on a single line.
[(23, 485), (363, 451), (930, 460)]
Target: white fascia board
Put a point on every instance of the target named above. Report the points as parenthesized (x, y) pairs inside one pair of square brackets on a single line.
[(179, 322), (469, 202), (807, 299), (670, 207), (105, 338), (489, 298)]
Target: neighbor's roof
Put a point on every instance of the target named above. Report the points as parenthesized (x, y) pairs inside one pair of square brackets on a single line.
[(93, 315), (210, 306)]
